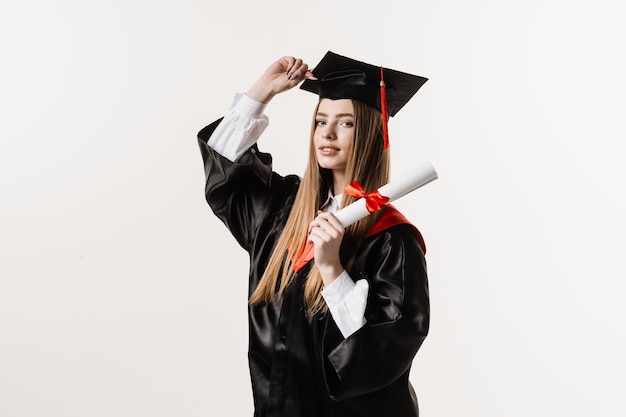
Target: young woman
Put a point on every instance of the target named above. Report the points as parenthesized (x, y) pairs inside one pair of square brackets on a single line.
[(333, 333)]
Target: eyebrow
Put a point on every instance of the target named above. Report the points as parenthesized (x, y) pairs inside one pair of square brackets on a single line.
[(337, 115)]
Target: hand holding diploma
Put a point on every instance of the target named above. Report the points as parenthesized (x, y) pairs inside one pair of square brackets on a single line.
[(370, 202)]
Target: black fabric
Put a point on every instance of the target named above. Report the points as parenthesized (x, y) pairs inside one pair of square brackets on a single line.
[(351, 84), (301, 366), (340, 77)]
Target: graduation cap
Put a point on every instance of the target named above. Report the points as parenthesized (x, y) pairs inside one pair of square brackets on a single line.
[(387, 90)]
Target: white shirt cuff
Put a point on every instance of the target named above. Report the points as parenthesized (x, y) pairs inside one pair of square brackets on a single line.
[(346, 301), (240, 129)]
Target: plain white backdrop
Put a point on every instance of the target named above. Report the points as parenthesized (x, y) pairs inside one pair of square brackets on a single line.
[(120, 293)]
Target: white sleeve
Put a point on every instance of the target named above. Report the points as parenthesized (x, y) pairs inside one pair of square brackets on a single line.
[(241, 127), (346, 301)]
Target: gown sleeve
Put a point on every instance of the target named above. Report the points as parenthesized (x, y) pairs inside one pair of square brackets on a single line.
[(244, 193), (397, 316)]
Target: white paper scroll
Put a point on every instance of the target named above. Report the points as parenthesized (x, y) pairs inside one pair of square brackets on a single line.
[(410, 181)]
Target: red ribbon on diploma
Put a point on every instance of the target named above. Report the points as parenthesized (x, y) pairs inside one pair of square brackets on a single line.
[(373, 201)]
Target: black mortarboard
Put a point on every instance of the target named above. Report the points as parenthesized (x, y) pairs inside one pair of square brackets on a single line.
[(340, 77)]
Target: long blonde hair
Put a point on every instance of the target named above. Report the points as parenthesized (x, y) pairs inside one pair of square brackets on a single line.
[(369, 164)]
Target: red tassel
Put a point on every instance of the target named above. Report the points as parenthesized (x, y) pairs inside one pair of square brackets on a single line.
[(383, 108)]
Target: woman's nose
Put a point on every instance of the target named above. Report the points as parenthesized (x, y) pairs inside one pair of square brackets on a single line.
[(328, 132)]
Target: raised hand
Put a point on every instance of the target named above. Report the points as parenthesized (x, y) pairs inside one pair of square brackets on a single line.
[(282, 75)]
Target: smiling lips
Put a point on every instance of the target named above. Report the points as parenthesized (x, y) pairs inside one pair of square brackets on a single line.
[(328, 150)]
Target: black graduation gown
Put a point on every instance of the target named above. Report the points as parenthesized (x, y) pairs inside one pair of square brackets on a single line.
[(302, 366)]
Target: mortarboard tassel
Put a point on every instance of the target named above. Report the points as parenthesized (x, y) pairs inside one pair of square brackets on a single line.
[(383, 107)]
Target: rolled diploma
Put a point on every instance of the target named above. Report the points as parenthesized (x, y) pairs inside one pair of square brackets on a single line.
[(395, 189)]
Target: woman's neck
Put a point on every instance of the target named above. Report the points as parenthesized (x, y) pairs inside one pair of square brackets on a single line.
[(339, 182)]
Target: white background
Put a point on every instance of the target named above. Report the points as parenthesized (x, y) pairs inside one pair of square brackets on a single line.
[(121, 294)]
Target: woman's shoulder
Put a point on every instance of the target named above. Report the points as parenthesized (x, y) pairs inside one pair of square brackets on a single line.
[(392, 225)]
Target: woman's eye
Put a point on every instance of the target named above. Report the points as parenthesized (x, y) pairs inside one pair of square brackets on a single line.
[(320, 122), (347, 124)]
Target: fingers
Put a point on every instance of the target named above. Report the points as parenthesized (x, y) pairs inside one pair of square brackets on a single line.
[(333, 220), (321, 234), (284, 74), (326, 226), (326, 234), (294, 64), (297, 69), (321, 237)]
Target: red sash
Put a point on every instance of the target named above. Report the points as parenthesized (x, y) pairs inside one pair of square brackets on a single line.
[(389, 217)]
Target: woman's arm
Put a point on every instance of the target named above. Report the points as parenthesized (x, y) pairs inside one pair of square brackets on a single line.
[(244, 122), (397, 315), (238, 176)]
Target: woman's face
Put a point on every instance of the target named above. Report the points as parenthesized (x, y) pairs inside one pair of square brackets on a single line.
[(334, 134)]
